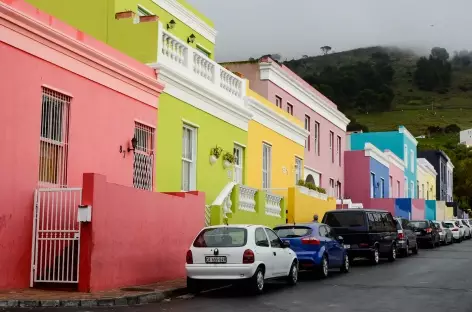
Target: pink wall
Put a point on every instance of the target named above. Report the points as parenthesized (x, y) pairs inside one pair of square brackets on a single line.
[(138, 237), (387, 204), (397, 174), (101, 120), (418, 209), (321, 163), (357, 175)]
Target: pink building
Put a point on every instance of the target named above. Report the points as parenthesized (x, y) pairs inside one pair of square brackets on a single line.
[(324, 151), (70, 105), (397, 176)]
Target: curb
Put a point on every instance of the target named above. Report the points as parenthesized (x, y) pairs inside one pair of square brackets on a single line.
[(129, 300)]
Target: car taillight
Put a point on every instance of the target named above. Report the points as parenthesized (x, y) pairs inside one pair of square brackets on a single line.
[(363, 245), (189, 257), (455, 230), (429, 230), (248, 256), (401, 236), (310, 241)]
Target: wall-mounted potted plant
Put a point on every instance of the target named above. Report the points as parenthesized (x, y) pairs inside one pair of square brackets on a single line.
[(228, 159), (215, 154)]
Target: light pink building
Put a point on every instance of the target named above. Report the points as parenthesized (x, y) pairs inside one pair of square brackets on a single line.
[(324, 151), (70, 105), (397, 176)]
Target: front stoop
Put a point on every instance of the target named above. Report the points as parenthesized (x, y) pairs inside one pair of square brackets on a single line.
[(103, 299)]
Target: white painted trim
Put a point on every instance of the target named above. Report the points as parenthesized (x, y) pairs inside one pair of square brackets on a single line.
[(272, 71), (187, 122), (202, 47), (188, 18), (57, 90), (145, 123), (267, 142), (408, 134), (144, 9), (449, 164), (240, 144), (394, 159), (371, 151), (276, 122), (426, 166), (312, 170), (298, 156), (184, 88)]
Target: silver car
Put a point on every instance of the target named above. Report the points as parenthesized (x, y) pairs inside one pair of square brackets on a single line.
[(445, 233)]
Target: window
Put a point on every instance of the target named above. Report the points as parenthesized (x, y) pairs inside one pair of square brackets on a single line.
[(331, 145), (221, 237), (143, 12), (278, 101), (412, 161), (412, 189), (323, 232), (398, 189), (292, 231), (261, 238), (417, 189), (372, 185), (331, 187), (143, 163), (238, 152), (422, 191), (290, 109), (307, 128), (189, 155), (266, 165), (338, 149), (390, 187), (405, 155), (405, 187), (203, 50), (298, 169), (382, 188), (274, 239), (54, 138), (338, 189), (427, 190), (317, 138), (345, 219)]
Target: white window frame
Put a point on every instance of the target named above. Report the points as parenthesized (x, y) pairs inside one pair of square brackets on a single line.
[(422, 191), (398, 189), (390, 187), (331, 187), (317, 138), (372, 184), (405, 156), (266, 165), (307, 128), (427, 190), (405, 188), (382, 188), (289, 108), (203, 50), (193, 162), (338, 149), (143, 159), (278, 101), (298, 169), (238, 168), (412, 189), (331, 145), (412, 161)]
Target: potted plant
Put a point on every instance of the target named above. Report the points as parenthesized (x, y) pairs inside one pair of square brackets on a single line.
[(215, 153), (228, 159)]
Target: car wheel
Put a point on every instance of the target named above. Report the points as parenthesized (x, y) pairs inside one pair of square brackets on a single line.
[(323, 270), (393, 254), (406, 251), (346, 264), (415, 250), (433, 244), (257, 282), (292, 278), (375, 257), (193, 286)]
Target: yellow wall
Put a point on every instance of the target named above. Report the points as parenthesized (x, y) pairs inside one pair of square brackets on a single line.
[(441, 212), (301, 207), (284, 152), (425, 178)]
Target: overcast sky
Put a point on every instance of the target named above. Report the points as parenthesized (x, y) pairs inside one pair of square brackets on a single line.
[(251, 28)]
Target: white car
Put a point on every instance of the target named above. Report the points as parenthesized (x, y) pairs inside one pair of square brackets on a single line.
[(467, 228), (465, 231), (239, 253), (455, 229)]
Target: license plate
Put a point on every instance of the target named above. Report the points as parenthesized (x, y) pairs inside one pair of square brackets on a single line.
[(347, 246), (219, 259)]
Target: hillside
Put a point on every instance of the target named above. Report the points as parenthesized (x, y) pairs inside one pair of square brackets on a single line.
[(409, 106)]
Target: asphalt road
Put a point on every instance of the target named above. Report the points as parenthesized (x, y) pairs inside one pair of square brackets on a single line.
[(434, 280)]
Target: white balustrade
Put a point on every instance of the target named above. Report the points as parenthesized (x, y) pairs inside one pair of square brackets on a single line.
[(176, 51), (272, 205), (247, 200), (312, 193)]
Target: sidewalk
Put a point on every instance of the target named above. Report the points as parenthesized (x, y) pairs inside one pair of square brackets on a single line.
[(117, 297)]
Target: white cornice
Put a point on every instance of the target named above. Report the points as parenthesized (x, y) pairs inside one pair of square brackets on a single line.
[(207, 99), (189, 18), (408, 134), (276, 122), (394, 159), (272, 71), (424, 165), (450, 164), (375, 153)]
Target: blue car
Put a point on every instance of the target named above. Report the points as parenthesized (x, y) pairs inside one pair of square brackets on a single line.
[(316, 246)]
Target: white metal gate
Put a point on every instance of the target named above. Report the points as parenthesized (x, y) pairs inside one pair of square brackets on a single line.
[(56, 236)]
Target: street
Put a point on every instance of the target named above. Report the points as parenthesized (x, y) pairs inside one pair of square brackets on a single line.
[(435, 280)]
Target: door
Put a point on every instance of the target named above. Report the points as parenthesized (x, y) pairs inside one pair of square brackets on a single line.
[(279, 255), (386, 235), (263, 251), (328, 245), (336, 249), (409, 233), (391, 228)]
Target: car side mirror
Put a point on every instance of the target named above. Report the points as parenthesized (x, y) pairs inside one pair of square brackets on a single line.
[(285, 244), (341, 239)]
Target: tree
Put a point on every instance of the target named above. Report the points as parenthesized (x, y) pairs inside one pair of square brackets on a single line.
[(440, 54), (325, 49), (453, 128)]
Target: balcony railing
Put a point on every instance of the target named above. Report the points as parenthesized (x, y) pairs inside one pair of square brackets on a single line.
[(172, 50), (247, 200), (272, 205)]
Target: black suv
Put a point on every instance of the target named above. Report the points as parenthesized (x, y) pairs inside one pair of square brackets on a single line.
[(366, 233), (426, 232)]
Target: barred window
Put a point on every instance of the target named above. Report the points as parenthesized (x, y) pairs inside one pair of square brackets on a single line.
[(143, 163)]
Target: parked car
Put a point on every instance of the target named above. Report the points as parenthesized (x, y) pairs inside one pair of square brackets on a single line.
[(467, 228), (426, 232), (461, 228), (455, 230), (316, 246), (366, 233), (406, 238), (248, 254), (445, 234)]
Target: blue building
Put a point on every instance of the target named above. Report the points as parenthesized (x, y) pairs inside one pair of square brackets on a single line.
[(401, 142)]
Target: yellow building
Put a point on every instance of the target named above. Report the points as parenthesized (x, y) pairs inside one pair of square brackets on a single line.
[(426, 179)]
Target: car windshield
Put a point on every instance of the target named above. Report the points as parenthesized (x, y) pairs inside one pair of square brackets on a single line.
[(346, 219), (221, 237), (419, 224), (465, 223), (292, 231), (448, 225)]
